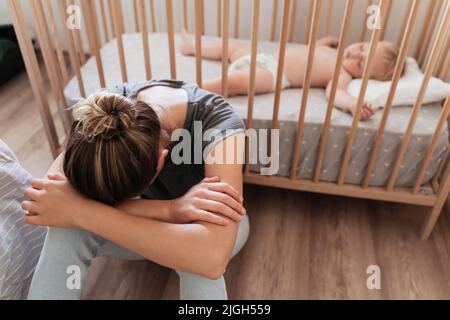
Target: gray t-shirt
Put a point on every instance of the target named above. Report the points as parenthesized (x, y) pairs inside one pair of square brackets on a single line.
[(218, 121)]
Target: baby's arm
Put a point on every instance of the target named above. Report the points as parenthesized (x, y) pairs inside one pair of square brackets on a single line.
[(344, 101)]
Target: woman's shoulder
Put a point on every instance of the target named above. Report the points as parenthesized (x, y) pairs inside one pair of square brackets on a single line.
[(132, 89)]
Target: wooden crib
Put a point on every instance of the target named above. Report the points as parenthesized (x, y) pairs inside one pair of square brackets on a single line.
[(104, 22)]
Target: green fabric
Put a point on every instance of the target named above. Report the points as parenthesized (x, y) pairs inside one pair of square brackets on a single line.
[(7, 47), (10, 59)]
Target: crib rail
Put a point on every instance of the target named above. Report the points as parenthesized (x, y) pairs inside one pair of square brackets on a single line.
[(423, 32)]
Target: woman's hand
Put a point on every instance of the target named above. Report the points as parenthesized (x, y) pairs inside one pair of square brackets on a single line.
[(53, 203), (210, 201)]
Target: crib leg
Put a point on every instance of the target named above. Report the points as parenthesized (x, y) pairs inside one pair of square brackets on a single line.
[(434, 212), (430, 221)]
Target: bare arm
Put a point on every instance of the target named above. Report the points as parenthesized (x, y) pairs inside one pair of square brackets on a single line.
[(345, 101), (177, 210), (201, 248), (156, 209)]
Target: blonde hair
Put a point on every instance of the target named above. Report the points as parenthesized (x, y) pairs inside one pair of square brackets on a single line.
[(390, 57), (113, 147)]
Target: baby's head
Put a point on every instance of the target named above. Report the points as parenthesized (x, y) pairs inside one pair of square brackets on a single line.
[(115, 147), (385, 59)]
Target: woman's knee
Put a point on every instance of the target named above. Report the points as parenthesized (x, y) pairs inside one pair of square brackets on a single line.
[(242, 235), (75, 240)]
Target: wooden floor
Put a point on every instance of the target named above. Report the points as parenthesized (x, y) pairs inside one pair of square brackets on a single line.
[(301, 246)]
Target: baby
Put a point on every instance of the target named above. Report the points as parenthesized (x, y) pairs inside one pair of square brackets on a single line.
[(355, 57)]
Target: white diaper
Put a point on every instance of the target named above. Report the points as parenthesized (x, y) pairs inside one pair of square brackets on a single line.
[(264, 61)]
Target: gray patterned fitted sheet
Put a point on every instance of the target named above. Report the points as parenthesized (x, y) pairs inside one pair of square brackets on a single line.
[(289, 110)]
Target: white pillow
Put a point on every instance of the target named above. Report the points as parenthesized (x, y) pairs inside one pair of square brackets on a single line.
[(407, 90), (20, 244)]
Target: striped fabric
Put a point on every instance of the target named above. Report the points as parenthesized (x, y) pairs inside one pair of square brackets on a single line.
[(20, 244)]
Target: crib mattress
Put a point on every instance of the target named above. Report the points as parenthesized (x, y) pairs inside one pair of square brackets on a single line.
[(289, 111)]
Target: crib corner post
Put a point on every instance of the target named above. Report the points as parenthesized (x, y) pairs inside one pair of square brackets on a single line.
[(435, 211)]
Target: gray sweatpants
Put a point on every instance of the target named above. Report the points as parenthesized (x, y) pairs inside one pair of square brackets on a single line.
[(67, 253)]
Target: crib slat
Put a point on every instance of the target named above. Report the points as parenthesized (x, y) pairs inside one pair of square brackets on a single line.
[(340, 55), (202, 16), (119, 31), (198, 42), (145, 43), (74, 60), (430, 31), (34, 73), (152, 14), (438, 175), (88, 26), (225, 36), (425, 27), (111, 17), (404, 23), (281, 54), (47, 49), (104, 22), (443, 60), (445, 70), (136, 16), (57, 40), (362, 37), (185, 16), (431, 64), (310, 5), (96, 25), (50, 61), (236, 18), (78, 41), (386, 17), (403, 54), (171, 38), (306, 86), (251, 91), (274, 20), (219, 18), (89, 12), (97, 43), (432, 145), (292, 20), (328, 16), (365, 80)]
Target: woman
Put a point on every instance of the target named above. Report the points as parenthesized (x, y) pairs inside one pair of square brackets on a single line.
[(190, 217)]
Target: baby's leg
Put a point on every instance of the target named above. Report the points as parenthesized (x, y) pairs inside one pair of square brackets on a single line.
[(213, 51), (239, 83)]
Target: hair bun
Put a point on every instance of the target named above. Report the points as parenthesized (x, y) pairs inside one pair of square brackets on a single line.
[(104, 115)]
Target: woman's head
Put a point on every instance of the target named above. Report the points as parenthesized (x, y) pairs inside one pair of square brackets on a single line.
[(114, 149), (384, 61)]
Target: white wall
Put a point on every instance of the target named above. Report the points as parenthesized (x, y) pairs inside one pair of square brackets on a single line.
[(399, 7)]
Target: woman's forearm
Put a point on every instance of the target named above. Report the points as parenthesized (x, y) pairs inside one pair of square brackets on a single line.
[(185, 247), (154, 209)]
